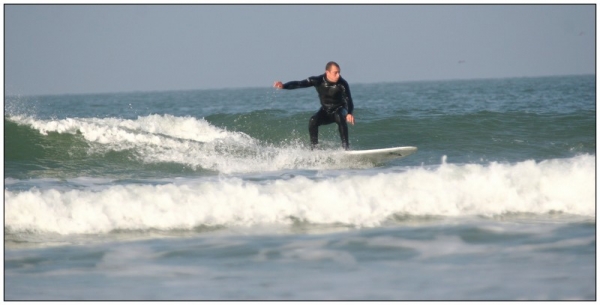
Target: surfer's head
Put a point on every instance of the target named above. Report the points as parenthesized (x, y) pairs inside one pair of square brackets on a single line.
[(332, 71)]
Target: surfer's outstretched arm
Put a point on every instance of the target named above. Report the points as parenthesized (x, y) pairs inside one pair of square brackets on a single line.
[(309, 82)]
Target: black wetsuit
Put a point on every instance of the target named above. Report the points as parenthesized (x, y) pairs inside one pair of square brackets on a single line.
[(336, 103)]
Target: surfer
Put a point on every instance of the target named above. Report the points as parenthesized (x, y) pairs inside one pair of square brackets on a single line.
[(336, 102)]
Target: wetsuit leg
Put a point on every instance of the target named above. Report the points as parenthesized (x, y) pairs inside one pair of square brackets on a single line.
[(340, 119), (318, 119)]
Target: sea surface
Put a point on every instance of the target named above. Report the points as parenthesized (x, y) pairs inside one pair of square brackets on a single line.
[(216, 195)]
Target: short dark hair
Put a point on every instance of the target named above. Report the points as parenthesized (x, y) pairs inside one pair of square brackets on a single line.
[(331, 63)]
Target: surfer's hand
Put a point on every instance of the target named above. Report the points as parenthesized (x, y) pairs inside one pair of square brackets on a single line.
[(278, 85), (350, 119)]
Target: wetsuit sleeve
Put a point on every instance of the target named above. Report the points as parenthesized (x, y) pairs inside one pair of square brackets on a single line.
[(309, 82), (348, 97)]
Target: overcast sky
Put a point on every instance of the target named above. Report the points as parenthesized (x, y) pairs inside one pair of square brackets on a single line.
[(55, 49)]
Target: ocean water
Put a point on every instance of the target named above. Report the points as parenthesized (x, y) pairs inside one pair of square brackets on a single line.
[(215, 194)]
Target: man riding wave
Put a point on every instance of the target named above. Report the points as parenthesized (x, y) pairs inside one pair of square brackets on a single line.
[(336, 102)]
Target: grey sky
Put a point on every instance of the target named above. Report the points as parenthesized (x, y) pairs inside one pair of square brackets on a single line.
[(54, 49)]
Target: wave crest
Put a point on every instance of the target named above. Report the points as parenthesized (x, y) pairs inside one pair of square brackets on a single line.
[(552, 186)]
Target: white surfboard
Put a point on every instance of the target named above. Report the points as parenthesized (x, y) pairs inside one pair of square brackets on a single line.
[(381, 155)]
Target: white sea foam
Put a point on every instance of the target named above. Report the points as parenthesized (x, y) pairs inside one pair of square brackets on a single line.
[(552, 186), (186, 140)]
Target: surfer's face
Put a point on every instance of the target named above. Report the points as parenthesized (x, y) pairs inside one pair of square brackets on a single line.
[(333, 74)]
